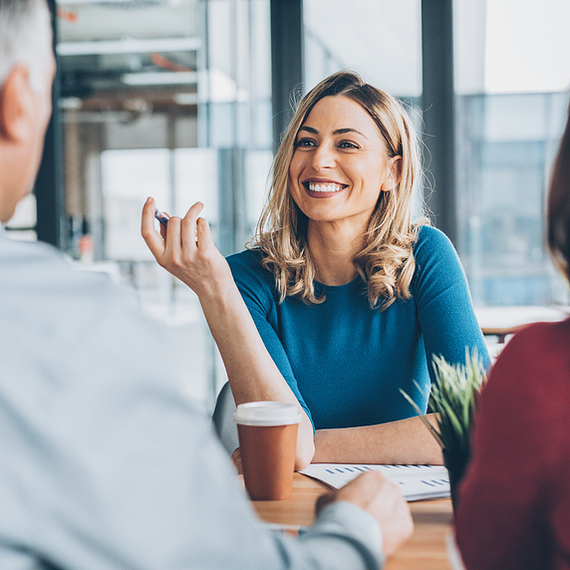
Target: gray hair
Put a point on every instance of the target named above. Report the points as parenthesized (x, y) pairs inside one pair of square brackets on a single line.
[(25, 38)]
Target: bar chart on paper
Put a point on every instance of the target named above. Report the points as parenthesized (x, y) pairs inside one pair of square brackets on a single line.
[(417, 482)]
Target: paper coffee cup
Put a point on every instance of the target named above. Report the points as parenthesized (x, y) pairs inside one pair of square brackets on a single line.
[(267, 434)]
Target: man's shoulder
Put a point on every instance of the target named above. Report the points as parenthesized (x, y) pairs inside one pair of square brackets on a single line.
[(21, 251), (37, 274)]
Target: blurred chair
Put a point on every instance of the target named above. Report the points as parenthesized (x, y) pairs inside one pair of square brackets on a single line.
[(223, 419)]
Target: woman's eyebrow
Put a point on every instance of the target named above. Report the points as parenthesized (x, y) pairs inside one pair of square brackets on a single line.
[(309, 130), (349, 130), (336, 132)]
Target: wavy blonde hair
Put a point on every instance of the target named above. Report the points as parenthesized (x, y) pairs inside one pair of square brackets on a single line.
[(386, 262)]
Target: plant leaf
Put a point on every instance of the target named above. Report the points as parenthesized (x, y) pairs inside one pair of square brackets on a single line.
[(453, 400)]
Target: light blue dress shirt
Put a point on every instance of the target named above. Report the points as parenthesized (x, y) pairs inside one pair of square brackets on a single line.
[(103, 464)]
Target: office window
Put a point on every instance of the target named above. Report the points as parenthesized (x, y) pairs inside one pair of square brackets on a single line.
[(512, 91), (170, 99), (378, 38)]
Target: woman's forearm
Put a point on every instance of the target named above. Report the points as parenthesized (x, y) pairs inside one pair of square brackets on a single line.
[(402, 442), (185, 248), (251, 371)]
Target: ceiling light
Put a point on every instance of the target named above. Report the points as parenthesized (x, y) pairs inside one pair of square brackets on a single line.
[(129, 45), (116, 3), (186, 98), (159, 78)]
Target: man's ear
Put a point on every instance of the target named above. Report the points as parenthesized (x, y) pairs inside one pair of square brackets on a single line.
[(394, 174), (16, 105)]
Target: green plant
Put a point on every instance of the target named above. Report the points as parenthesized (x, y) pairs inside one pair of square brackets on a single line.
[(453, 399)]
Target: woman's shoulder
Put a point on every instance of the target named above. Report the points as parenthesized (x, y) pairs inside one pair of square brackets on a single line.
[(535, 360), (248, 258), (539, 341), (431, 239), (248, 271), (433, 251), (532, 372)]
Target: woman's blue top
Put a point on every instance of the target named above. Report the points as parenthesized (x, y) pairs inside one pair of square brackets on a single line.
[(346, 362)]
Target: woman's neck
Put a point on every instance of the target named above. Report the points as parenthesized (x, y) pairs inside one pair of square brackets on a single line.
[(333, 250)]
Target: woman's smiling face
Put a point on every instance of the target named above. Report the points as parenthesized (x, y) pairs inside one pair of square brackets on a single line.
[(340, 163)]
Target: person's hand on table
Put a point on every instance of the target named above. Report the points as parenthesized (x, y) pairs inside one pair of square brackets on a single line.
[(382, 499)]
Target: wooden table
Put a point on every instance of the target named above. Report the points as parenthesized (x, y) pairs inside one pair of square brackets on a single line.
[(424, 551), (504, 321)]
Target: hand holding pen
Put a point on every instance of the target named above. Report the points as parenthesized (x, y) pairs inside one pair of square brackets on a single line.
[(185, 248)]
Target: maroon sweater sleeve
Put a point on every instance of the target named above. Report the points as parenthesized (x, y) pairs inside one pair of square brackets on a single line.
[(514, 504)]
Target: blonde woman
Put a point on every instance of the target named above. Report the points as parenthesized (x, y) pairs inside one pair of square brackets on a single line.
[(340, 300)]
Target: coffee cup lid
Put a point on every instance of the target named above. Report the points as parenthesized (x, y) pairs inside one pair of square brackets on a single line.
[(267, 414)]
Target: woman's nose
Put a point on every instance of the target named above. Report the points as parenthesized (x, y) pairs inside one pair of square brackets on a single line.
[(323, 157)]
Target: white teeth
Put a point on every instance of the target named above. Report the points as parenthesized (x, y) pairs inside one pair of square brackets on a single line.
[(313, 187)]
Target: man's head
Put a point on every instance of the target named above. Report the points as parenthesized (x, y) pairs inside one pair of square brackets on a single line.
[(27, 67)]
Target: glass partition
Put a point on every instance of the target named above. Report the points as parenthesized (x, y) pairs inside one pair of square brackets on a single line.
[(512, 86), (170, 99), (380, 39)]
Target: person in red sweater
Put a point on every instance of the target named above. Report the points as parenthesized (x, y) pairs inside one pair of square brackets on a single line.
[(514, 504)]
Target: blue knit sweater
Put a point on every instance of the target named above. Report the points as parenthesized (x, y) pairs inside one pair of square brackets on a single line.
[(346, 362)]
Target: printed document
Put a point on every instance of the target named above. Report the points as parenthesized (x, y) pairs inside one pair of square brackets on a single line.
[(417, 482)]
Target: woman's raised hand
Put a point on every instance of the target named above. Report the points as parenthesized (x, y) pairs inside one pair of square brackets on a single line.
[(185, 249)]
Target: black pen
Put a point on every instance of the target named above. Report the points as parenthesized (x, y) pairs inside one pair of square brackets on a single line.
[(162, 218)]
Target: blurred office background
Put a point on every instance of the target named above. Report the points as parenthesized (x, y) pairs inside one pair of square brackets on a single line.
[(185, 100)]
